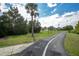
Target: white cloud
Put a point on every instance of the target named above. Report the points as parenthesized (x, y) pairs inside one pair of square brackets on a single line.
[(53, 11), (63, 20), (68, 14), (70, 18), (22, 10), (39, 9), (51, 4), (49, 20), (3, 8)]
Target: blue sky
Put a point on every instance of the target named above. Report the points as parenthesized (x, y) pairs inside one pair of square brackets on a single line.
[(51, 14), (61, 8), (45, 10)]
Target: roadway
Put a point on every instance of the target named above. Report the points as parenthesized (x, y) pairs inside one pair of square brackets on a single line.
[(53, 46)]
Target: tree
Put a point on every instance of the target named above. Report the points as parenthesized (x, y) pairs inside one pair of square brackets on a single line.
[(51, 28), (68, 27), (37, 26), (32, 9), (12, 23), (12, 15), (77, 28), (4, 25), (19, 25), (44, 28)]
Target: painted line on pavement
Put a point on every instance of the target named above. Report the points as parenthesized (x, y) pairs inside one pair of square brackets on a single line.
[(44, 52)]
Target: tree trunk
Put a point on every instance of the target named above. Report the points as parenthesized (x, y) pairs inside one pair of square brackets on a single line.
[(33, 29)]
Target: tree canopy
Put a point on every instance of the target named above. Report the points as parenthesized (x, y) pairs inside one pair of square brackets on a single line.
[(77, 28), (12, 23)]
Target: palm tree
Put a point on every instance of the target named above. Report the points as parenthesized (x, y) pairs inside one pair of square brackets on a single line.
[(32, 10)]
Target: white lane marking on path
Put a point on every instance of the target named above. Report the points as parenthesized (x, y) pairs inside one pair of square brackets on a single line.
[(44, 52)]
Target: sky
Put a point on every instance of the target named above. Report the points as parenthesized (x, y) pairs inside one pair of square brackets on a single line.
[(50, 14)]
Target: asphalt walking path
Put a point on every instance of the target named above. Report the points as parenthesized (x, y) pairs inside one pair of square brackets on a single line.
[(53, 46), (56, 47)]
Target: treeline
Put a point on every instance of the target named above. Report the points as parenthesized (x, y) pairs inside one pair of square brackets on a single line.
[(65, 28), (77, 28), (68, 28), (12, 23)]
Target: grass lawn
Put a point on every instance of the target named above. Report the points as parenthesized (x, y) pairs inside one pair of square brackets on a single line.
[(72, 44), (19, 39)]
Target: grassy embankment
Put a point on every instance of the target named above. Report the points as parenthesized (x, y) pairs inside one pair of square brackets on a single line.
[(19, 39), (72, 44)]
